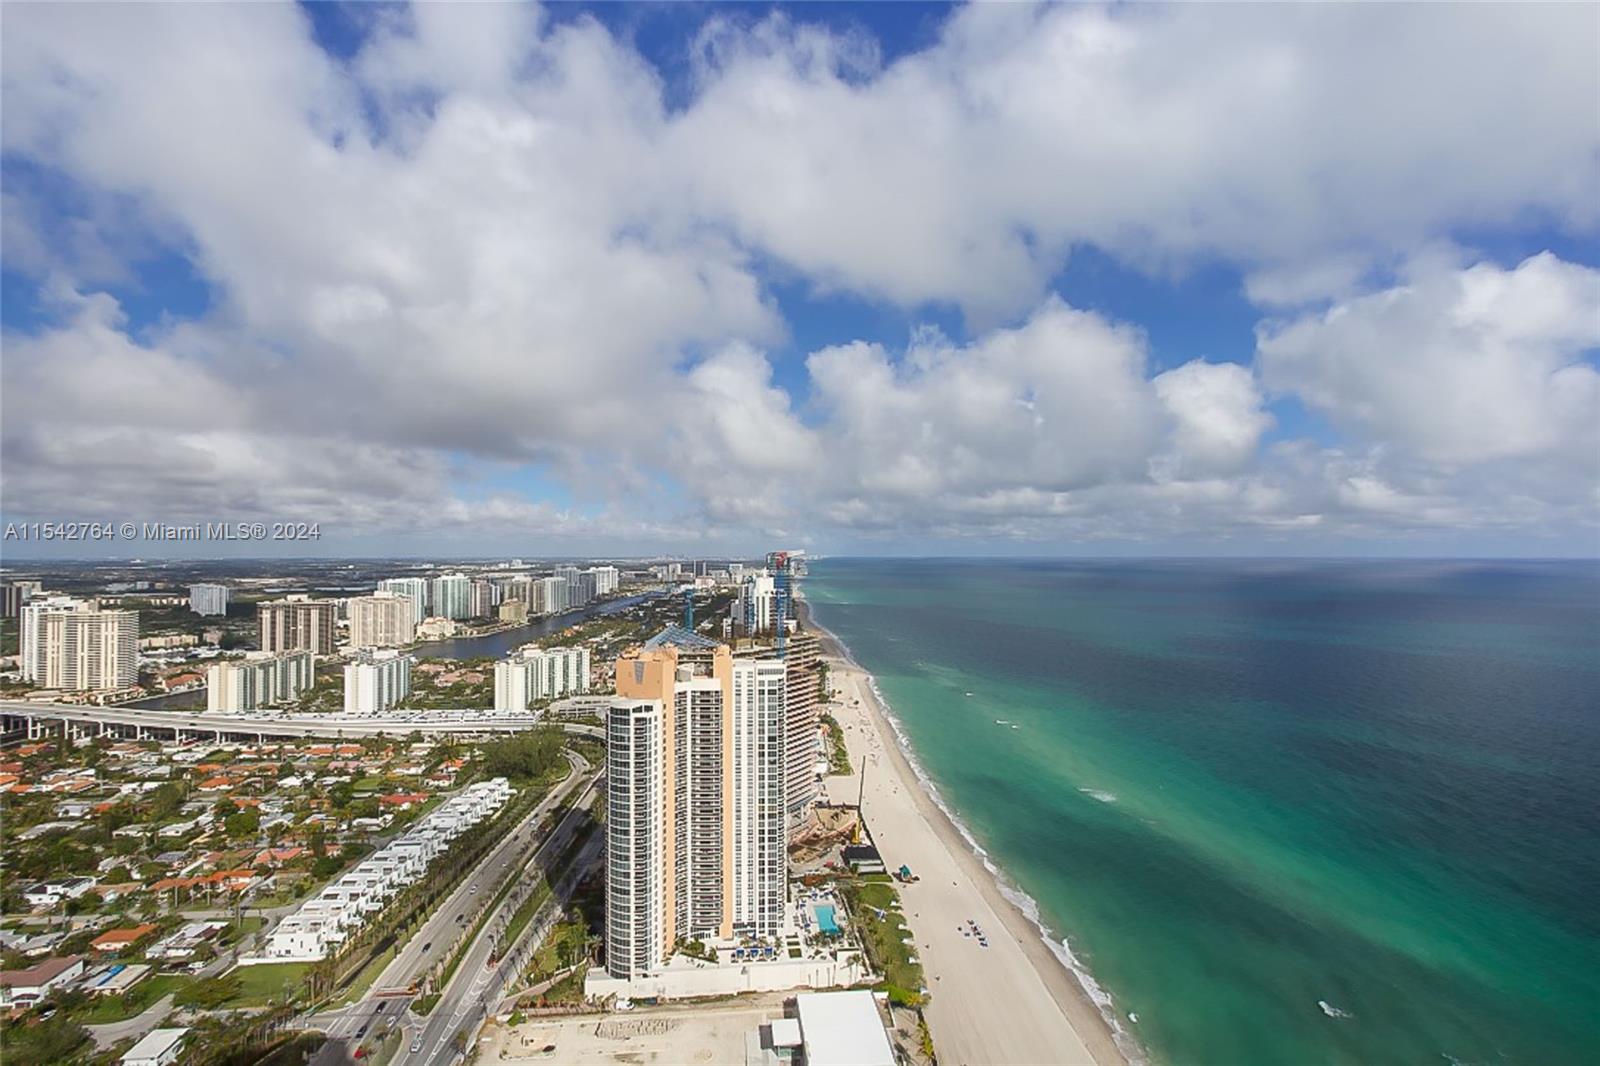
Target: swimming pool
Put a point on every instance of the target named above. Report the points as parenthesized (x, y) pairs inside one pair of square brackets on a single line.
[(825, 922)]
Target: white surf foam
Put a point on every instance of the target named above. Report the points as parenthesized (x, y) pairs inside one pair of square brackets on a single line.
[(1099, 794), (1124, 1040)]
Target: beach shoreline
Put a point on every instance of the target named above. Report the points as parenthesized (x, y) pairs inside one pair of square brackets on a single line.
[(1015, 1001)]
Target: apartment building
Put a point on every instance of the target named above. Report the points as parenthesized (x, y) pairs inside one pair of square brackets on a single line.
[(384, 619), (802, 695), (534, 673), (714, 810), (208, 599), (261, 679), (376, 681), (414, 587), (71, 644), (450, 596), (298, 623)]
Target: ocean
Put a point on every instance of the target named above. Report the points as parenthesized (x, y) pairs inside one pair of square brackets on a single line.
[(1283, 812)]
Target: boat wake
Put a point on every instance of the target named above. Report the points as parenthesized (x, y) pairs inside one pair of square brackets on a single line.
[(1333, 1012), (1099, 794)]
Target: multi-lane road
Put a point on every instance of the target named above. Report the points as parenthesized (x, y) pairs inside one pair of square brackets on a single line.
[(384, 1004), (477, 985)]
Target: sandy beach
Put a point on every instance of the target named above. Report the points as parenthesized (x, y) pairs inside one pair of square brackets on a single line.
[(1012, 1002)]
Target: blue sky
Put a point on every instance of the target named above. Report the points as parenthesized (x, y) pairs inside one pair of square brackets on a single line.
[(891, 278)]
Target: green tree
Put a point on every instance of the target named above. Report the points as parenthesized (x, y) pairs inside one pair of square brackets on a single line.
[(54, 1040), (165, 801), (524, 756)]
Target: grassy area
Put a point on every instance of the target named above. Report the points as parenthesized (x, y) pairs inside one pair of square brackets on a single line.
[(386, 1047), (875, 908), (245, 929), (567, 990), (103, 1009), (260, 985), (369, 973), (564, 941), (838, 754), (526, 911)]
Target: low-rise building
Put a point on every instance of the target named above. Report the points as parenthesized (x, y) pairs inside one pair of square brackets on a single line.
[(50, 893), (26, 987), (160, 1047), (323, 922), (113, 979), (121, 939), (842, 1029)]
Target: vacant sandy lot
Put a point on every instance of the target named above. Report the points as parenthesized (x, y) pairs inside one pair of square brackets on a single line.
[(668, 1036)]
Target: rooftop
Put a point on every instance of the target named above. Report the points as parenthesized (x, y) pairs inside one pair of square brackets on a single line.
[(679, 637), (37, 975), (156, 1043), (843, 1029)]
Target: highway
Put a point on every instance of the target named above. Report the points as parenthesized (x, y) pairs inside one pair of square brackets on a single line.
[(389, 996), (476, 986), (140, 721)]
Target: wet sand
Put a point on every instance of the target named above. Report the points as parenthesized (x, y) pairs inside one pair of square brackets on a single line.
[(1010, 1002)]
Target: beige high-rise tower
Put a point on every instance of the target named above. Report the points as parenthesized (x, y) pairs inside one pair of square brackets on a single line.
[(297, 623), (714, 830), (79, 647)]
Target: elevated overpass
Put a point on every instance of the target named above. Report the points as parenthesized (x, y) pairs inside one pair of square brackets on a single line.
[(145, 723)]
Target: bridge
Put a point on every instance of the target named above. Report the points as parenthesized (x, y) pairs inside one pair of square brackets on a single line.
[(144, 723)]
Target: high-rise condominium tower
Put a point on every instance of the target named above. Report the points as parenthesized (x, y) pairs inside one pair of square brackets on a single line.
[(534, 673), (802, 688), (414, 587), (69, 644), (383, 619), (208, 599), (376, 681), (297, 623), (450, 596), (259, 680), (710, 816)]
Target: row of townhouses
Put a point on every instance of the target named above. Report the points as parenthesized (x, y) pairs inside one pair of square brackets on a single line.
[(324, 921)]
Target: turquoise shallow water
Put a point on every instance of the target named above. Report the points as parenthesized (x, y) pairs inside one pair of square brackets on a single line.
[(1285, 812)]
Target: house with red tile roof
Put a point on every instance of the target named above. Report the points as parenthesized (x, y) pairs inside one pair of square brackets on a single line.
[(404, 800), (120, 939)]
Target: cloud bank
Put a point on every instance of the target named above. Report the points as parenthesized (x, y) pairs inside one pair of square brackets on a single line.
[(488, 242)]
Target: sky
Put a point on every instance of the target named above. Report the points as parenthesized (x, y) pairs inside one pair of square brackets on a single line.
[(700, 279)]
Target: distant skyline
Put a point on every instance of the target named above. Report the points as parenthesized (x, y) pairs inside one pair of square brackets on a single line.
[(590, 280)]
